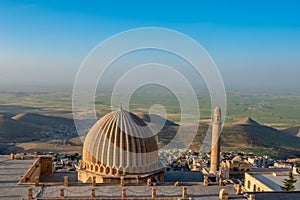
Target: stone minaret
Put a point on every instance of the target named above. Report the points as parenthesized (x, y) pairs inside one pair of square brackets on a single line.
[(215, 141)]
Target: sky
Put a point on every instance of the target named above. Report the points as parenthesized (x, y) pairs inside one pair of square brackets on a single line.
[(255, 44)]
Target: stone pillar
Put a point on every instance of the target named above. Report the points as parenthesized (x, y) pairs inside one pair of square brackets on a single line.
[(36, 181), (93, 194), (35, 155), (123, 192), (29, 194), (153, 192), (184, 192), (12, 156), (66, 181), (205, 182), (215, 142), (62, 193)]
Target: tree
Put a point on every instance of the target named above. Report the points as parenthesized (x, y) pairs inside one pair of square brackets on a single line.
[(288, 183)]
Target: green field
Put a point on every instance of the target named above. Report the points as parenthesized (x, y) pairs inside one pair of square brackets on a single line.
[(276, 110)]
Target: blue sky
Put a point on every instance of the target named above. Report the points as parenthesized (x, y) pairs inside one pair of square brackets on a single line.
[(254, 43)]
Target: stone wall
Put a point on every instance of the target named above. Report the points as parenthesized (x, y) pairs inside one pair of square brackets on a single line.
[(46, 164), (87, 177), (251, 184), (41, 165), (32, 172), (113, 198)]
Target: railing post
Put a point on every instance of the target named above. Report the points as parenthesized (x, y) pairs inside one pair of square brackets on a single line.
[(36, 180), (93, 181), (153, 192), (251, 197), (205, 182), (62, 193), (220, 181), (184, 192), (149, 182), (30, 194), (93, 195), (122, 181), (66, 181), (36, 155), (123, 192), (223, 194), (238, 189)]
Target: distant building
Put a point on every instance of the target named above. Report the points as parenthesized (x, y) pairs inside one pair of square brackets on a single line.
[(261, 161), (282, 165), (269, 180), (234, 168)]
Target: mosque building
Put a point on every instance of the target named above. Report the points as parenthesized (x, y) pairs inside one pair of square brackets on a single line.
[(120, 161), (120, 147)]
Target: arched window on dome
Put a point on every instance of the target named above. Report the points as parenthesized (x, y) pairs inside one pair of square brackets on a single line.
[(121, 170), (107, 170), (101, 169), (92, 167), (96, 168), (114, 171)]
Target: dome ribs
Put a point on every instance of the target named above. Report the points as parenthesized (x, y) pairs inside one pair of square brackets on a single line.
[(120, 143), (116, 153), (105, 140)]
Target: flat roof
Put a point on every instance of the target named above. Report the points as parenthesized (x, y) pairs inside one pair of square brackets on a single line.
[(197, 192), (171, 176), (274, 182), (10, 173), (277, 195), (180, 176), (12, 170)]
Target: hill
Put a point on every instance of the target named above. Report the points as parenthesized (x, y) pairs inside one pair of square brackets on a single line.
[(11, 129), (249, 135), (295, 131), (41, 120), (243, 135), (156, 119), (247, 122), (30, 126)]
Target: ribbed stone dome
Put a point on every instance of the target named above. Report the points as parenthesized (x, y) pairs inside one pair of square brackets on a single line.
[(120, 143)]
